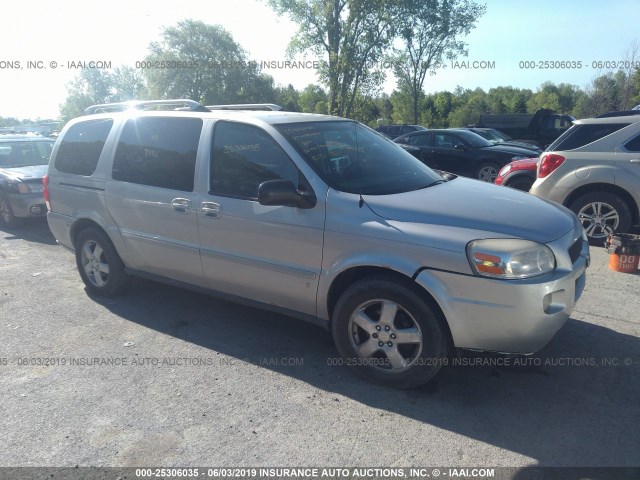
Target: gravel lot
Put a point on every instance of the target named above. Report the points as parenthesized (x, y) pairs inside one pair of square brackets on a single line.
[(204, 382)]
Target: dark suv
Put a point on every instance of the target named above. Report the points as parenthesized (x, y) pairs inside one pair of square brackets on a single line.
[(394, 131), (23, 163)]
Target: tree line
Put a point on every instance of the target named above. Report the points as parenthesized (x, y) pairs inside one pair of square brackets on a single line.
[(350, 39)]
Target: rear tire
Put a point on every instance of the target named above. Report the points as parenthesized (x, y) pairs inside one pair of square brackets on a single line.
[(387, 333), (602, 213), (99, 265)]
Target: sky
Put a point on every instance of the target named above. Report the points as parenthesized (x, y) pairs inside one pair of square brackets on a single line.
[(51, 34)]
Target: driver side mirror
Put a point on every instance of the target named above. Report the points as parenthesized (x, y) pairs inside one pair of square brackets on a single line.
[(460, 147), (284, 193)]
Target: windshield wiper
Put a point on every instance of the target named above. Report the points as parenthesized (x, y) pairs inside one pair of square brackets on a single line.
[(437, 182)]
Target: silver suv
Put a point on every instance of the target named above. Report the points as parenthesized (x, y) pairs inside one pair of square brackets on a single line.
[(320, 218), (23, 163), (594, 169)]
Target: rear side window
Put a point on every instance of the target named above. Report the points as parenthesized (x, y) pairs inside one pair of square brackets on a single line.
[(419, 140), (633, 145), (442, 140), (395, 131), (581, 135), (81, 147), (159, 152), (244, 156)]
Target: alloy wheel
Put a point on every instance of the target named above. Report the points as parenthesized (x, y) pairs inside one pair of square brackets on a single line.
[(488, 173), (385, 335), (599, 219), (95, 263)]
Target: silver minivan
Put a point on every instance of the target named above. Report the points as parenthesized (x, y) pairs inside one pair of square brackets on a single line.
[(320, 218)]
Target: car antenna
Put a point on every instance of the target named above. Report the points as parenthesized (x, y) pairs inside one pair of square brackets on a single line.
[(361, 202)]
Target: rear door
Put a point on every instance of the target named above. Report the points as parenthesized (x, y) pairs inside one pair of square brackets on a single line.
[(272, 254), (424, 142), (151, 197)]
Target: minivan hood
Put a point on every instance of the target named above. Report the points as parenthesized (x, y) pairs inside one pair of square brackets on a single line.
[(25, 173), (474, 205)]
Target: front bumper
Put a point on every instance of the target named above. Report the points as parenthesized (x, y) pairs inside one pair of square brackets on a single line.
[(517, 316), (27, 204)]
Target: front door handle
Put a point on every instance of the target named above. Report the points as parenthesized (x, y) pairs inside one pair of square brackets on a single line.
[(211, 209), (181, 204), (635, 160)]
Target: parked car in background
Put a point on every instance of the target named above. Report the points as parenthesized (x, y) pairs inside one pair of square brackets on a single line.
[(461, 152), (541, 128), (394, 131), (319, 218), (519, 174), (637, 107), (594, 169), (500, 138), (23, 163)]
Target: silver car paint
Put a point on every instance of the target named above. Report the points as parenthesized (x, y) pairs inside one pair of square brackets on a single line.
[(289, 258), (21, 203), (518, 316), (481, 208), (601, 161)]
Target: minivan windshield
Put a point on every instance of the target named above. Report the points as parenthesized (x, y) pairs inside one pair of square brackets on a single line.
[(353, 158)]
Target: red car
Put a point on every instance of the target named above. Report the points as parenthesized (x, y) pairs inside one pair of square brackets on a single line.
[(519, 174)]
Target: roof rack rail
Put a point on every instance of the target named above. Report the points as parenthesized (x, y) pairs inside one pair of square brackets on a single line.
[(246, 106), (624, 113), (180, 104)]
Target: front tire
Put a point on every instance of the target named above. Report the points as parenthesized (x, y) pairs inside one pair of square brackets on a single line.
[(487, 172), (602, 213), (387, 333), (6, 213), (99, 265)]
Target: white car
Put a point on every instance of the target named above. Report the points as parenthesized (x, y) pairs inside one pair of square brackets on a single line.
[(594, 169)]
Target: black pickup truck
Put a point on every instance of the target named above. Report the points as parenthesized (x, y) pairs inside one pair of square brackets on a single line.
[(540, 128)]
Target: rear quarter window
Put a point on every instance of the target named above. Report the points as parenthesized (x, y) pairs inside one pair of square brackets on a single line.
[(581, 135), (633, 145), (81, 147)]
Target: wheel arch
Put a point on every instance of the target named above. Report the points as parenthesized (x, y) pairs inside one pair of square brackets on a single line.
[(520, 174), (606, 187), (490, 161), (82, 224), (354, 274)]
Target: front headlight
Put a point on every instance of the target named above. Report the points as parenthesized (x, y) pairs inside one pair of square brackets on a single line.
[(29, 187), (510, 258), (504, 170)]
